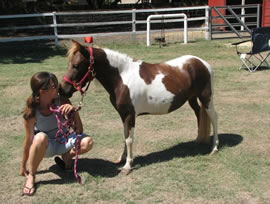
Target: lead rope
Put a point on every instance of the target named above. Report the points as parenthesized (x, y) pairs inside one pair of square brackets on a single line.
[(68, 124)]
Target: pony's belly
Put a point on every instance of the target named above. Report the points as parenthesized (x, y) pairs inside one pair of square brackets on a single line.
[(151, 98), (158, 110), (153, 105)]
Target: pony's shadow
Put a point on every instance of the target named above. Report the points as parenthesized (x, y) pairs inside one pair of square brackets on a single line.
[(94, 167), (105, 168), (186, 149)]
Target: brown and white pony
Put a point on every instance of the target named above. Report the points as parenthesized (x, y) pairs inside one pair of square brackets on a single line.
[(136, 88)]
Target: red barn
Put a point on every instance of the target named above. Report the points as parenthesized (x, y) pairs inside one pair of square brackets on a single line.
[(213, 3), (266, 13)]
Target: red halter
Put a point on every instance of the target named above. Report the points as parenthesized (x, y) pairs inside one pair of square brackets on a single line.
[(89, 74)]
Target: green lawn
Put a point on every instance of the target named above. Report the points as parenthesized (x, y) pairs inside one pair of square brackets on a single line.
[(168, 166)]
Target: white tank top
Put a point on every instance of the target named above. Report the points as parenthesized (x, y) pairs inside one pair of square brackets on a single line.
[(47, 124)]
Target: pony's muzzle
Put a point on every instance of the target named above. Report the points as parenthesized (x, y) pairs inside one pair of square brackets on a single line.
[(65, 90)]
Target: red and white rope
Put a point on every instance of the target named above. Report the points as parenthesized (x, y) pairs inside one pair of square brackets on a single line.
[(64, 130)]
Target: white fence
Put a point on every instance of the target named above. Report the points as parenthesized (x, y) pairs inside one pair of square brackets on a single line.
[(180, 15), (134, 21)]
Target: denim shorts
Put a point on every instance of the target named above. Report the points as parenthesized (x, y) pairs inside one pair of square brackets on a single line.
[(62, 147)]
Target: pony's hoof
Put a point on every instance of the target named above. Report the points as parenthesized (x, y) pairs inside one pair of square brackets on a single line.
[(125, 171), (118, 161), (214, 151)]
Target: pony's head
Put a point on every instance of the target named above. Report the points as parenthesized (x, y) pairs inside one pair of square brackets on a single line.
[(79, 71)]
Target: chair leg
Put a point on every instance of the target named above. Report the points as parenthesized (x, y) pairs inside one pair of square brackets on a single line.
[(253, 62), (262, 60), (247, 62)]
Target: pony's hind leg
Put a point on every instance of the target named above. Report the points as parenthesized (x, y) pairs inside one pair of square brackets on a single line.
[(193, 102), (208, 116), (213, 118)]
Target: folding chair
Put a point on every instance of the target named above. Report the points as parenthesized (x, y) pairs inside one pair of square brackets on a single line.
[(253, 59)]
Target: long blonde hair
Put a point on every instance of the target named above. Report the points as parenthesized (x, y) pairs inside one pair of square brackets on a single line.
[(39, 81)]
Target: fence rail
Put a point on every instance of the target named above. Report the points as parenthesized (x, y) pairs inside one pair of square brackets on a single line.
[(233, 21), (63, 25), (54, 24), (179, 16)]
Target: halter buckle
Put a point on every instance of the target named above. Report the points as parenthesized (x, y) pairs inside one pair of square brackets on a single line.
[(92, 60)]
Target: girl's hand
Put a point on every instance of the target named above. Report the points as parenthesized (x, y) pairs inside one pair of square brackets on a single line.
[(65, 109)]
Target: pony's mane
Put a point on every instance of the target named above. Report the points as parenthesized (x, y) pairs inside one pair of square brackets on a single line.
[(111, 53), (118, 59), (71, 51)]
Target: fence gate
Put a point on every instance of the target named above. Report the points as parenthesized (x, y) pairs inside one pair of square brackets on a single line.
[(233, 21)]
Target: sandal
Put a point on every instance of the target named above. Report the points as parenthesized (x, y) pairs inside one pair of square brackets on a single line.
[(30, 191), (62, 164)]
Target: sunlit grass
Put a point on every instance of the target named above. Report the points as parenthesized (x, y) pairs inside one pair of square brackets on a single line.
[(168, 167)]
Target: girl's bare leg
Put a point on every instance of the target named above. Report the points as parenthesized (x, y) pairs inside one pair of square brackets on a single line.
[(85, 146), (36, 154)]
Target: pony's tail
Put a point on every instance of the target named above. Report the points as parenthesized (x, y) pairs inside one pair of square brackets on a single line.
[(204, 127)]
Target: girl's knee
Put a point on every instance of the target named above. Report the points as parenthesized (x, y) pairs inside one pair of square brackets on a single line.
[(90, 143), (87, 142), (41, 139)]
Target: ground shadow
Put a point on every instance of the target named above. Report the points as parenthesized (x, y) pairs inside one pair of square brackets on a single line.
[(98, 167), (166, 44), (95, 167), (185, 149), (105, 168), (29, 52), (261, 68)]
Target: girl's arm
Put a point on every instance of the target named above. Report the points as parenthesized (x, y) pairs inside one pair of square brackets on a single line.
[(66, 108), (29, 134)]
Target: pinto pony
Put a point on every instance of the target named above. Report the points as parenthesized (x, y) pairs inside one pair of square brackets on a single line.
[(137, 88)]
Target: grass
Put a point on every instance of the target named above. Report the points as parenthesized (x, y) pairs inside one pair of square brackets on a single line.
[(168, 166)]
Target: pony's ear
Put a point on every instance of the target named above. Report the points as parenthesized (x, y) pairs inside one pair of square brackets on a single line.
[(78, 45)]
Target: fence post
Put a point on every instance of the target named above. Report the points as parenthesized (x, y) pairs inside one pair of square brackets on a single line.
[(55, 29), (258, 15), (243, 12), (134, 25), (148, 21), (210, 23), (185, 29), (207, 20)]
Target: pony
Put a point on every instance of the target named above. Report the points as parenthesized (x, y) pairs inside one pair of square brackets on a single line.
[(136, 88)]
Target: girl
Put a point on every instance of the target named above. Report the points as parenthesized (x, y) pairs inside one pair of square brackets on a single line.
[(41, 126)]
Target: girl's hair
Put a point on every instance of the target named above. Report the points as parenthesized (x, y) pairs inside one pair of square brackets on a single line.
[(39, 81)]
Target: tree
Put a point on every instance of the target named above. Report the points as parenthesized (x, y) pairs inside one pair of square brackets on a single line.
[(95, 4)]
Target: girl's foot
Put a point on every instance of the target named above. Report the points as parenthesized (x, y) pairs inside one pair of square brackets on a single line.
[(29, 186), (62, 164)]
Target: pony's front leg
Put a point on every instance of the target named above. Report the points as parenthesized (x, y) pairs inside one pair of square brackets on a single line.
[(123, 156), (129, 124), (129, 158)]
